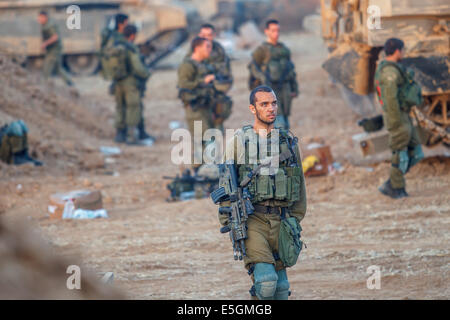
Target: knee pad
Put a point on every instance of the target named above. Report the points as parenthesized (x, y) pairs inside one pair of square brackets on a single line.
[(403, 165), (265, 281), (282, 291), (416, 155)]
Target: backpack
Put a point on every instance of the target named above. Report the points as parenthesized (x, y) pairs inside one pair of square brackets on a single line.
[(410, 93), (115, 61), (13, 139)]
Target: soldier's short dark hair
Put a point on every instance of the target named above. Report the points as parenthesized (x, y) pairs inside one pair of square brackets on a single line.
[(120, 18), (129, 30), (256, 90), (208, 26), (393, 45), (196, 42), (43, 13), (272, 21)]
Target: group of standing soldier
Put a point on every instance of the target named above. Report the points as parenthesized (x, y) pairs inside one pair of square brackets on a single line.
[(122, 63), (204, 79)]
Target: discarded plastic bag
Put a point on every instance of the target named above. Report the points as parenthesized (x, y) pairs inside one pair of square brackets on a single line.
[(88, 214)]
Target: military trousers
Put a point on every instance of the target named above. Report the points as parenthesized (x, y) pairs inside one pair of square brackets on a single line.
[(53, 63), (204, 116), (283, 93), (396, 176), (262, 241), (128, 105)]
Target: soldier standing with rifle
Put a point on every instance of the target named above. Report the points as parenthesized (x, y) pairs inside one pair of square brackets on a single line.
[(220, 63), (262, 198), (195, 78), (271, 65)]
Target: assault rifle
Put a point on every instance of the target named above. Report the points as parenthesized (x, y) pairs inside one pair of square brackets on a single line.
[(238, 212), (239, 197), (183, 188)]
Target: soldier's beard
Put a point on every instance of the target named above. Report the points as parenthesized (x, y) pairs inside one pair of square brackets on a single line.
[(264, 121)]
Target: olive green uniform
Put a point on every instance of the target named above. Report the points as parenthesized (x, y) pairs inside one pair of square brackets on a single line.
[(196, 96), (127, 90), (272, 66), (285, 189), (220, 66), (403, 137), (53, 52)]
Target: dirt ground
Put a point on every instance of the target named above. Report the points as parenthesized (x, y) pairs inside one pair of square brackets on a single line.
[(160, 250)]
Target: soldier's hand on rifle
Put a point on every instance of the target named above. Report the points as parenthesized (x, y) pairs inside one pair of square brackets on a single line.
[(294, 94), (209, 78)]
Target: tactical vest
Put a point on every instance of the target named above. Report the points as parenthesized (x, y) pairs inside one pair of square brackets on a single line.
[(279, 66), (410, 92), (203, 94), (285, 184)]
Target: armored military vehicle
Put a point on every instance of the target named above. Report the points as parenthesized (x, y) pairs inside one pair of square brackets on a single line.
[(163, 26), (356, 30)]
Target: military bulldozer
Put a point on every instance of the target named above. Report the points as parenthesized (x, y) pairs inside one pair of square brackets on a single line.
[(162, 27), (355, 32)]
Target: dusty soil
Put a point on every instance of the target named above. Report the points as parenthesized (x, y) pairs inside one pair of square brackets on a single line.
[(160, 250)]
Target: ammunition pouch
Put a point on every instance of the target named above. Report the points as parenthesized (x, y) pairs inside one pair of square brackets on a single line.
[(222, 85), (283, 186), (197, 98)]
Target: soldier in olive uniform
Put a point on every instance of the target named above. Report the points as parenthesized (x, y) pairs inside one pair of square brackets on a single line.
[(274, 196), (111, 35), (51, 43), (220, 64), (127, 89), (271, 65), (403, 137), (195, 91)]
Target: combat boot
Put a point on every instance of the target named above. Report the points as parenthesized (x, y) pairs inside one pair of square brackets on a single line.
[(143, 135), (121, 136), (133, 138), (388, 190)]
